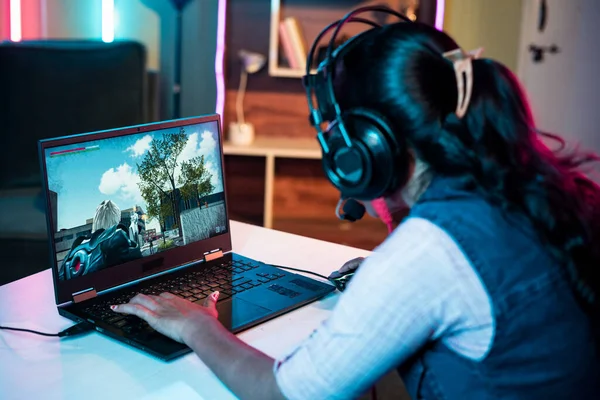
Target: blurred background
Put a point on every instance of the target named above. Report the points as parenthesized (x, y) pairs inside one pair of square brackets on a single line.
[(74, 66)]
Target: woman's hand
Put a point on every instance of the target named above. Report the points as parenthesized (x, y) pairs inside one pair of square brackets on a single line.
[(171, 315), (349, 266)]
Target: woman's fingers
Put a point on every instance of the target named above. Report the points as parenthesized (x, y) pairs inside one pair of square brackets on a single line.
[(168, 295), (211, 301), (148, 302), (134, 309), (349, 266)]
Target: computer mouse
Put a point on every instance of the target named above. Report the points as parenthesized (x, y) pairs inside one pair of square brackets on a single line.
[(340, 280)]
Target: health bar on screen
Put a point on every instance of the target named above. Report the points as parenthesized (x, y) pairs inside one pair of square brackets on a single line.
[(76, 150)]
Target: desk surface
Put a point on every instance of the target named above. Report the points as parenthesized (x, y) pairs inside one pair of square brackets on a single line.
[(96, 367)]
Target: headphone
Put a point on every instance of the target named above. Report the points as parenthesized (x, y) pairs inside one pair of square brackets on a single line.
[(362, 157)]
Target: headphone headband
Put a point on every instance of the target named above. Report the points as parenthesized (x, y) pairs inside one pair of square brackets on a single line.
[(360, 10), (361, 155), (309, 80)]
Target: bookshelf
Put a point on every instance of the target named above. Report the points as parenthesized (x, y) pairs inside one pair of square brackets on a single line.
[(311, 16), (272, 149)]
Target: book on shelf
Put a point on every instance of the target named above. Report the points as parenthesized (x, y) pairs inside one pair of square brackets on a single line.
[(293, 43), (287, 46)]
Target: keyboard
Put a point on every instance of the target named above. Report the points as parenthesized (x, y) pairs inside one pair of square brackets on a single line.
[(228, 278)]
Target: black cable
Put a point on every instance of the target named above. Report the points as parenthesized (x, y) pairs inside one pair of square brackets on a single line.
[(28, 330), (299, 270), (77, 329)]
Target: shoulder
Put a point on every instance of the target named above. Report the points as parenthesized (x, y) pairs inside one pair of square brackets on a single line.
[(419, 254), (422, 251), (419, 240), (421, 267)]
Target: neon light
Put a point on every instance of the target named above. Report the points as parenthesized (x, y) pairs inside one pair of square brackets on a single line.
[(439, 14), (15, 20), (219, 59), (108, 21)]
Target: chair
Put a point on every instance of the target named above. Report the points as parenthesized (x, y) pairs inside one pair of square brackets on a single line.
[(60, 87), (50, 89)]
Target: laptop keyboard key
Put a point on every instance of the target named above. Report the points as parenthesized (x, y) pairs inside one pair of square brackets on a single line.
[(120, 323), (114, 319), (223, 296)]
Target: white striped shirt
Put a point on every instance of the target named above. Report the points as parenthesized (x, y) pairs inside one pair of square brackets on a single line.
[(417, 286)]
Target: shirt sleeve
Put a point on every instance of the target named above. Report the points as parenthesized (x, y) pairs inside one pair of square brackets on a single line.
[(399, 299)]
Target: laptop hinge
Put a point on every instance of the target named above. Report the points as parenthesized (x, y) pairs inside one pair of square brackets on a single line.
[(213, 255), (84, 295)]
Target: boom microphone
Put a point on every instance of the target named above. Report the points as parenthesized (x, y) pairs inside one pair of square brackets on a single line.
[(352, 210)]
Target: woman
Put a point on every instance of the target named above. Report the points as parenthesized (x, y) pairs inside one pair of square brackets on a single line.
[(488, 288)]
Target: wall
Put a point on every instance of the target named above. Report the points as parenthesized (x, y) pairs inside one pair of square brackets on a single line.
[(199, 22), (563, 89), (66, 19), (493, 24), (135, 21), (83, 20)]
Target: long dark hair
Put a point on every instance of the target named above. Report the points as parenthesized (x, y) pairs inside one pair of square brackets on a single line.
[(399, 70)]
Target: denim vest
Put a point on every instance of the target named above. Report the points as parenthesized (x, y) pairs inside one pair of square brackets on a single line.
[(543, 347)]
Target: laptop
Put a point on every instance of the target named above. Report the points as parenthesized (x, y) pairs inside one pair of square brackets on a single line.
[(143, 209)]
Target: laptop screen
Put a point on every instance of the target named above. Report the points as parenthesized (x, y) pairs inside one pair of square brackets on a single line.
[(127, 197)]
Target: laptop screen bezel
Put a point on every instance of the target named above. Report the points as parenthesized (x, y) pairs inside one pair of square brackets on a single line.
[(146, 266)]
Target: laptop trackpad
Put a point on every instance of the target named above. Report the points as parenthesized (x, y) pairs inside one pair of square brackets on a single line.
[(238, 312)]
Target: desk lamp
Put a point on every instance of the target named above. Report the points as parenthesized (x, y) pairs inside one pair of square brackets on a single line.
[(242, 132)]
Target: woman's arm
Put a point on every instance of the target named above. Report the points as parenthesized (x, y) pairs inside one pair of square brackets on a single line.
[(247, 372), (417, 286)]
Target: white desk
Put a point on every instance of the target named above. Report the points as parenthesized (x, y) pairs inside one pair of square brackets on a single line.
[(270, 149), (96, 367)]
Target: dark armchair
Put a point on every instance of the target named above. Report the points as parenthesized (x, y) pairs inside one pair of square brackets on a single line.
[(50, 89), (62, 87)]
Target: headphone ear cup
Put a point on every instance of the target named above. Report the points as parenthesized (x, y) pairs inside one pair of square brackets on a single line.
[(377, 163), (348, 168)]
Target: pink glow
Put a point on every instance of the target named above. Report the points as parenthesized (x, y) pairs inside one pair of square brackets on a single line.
[(220, 59), (439, 14)]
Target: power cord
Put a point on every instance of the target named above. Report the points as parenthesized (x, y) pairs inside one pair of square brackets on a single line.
[(74, 330), (300, 270)]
